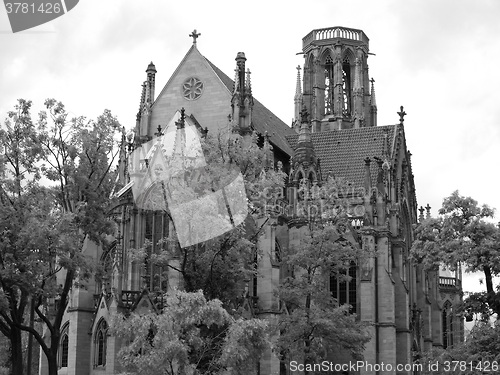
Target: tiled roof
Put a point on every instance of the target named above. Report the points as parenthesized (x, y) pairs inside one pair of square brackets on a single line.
[(343, 151), (262, 118)]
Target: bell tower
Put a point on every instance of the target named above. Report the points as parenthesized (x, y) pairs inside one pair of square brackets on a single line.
[(336, 85)]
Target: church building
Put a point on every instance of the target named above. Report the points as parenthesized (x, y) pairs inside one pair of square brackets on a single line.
[(335, 132)]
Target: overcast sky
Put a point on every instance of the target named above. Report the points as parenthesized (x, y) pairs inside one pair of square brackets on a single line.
[(437, 58)]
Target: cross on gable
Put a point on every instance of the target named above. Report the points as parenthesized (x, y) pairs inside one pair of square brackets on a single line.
[(194, 35), (402, 115)]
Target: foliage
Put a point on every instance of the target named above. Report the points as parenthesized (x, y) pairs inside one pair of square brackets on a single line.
[(45, 225), (222, 265), (180, 340), (479, 354), (462, 235), (315, 325)]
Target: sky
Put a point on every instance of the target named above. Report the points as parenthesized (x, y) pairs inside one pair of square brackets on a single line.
[(437, 58)]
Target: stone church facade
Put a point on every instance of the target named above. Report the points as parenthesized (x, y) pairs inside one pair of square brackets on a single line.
[(334, 132)]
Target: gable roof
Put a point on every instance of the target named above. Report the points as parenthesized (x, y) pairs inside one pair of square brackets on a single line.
[(262, 118), (343, 151)]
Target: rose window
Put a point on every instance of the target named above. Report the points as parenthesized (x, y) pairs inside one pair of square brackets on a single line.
[(192, 88)]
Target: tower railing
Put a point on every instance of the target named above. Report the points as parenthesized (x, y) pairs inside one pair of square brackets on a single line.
[(448, 282), (334, 32)]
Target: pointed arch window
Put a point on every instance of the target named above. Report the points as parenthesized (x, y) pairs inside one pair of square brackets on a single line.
[(343, 290), (156, 229), (346, 87), (447, 321), (63, 347), (329, 85), (100, 344)]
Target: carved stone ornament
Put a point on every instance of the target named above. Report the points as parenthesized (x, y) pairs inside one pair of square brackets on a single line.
[(192, 88)]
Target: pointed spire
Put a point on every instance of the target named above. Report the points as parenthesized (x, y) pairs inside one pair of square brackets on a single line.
[(268, 153), (235, 84), (380, 176), (298, 103), (373, 105), (141, 103), (248, 83), (385, 146), (298, 87), (368, 176), (373, 100), (428, 213), (178, 160)]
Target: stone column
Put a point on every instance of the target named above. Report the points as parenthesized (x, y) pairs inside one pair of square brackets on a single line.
[(385, 303)]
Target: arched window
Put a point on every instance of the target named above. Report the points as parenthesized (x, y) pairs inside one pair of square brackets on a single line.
[(329, 85), (156, 228), (346, 87), (100, 344), (447, 325), (62, 359), (345, 291)]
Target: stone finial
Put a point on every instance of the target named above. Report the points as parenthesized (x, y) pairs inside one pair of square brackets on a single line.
[(402, 115), (151, 68), (181, 122), (159, 133), (428, 209), (304, 115), (195, 36), (421, 216)]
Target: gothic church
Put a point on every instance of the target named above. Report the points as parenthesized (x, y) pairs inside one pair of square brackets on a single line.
[(409, 310)]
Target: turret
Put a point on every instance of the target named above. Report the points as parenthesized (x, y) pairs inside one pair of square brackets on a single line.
[(242, 101), (150, 83), (336, 78), (147, 99)]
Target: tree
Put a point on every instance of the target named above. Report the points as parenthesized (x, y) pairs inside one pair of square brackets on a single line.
[(462, 235), (45, 227), (181, 339), (221, 266), (316, 325), (18, 178), (479, 354)]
